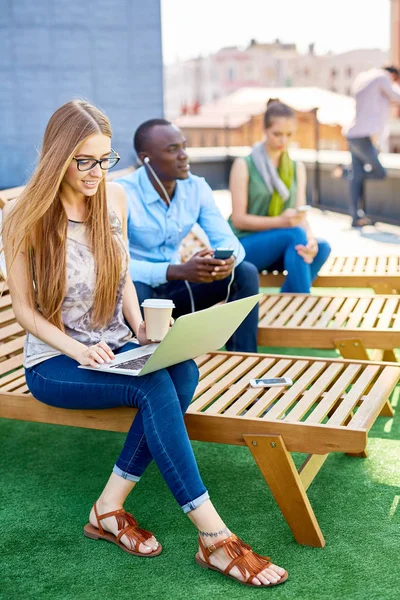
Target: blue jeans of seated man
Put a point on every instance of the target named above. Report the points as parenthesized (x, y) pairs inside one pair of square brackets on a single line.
[(245, 283), (274, 249), (364, 156), (158, 431)]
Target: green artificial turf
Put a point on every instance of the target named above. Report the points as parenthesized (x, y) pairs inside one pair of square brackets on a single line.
[(50, 476)]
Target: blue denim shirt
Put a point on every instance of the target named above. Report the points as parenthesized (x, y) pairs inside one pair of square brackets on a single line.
[(155, 231)]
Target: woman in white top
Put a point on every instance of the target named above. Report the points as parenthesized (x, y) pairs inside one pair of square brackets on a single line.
[(67, 272)]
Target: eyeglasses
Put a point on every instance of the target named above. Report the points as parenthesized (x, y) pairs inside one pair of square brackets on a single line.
[(86, 164)]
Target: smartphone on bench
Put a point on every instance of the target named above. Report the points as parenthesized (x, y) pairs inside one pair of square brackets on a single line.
[(271, 382), (222, 253)]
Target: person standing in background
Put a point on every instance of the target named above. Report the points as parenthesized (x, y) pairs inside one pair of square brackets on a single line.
[(374, 90)]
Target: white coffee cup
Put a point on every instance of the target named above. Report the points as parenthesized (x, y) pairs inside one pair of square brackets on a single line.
[(157, 316)]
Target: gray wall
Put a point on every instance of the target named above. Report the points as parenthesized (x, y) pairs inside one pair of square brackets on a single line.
[(51, 51)]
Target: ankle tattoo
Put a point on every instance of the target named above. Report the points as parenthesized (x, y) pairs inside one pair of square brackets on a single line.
[(224, 531)]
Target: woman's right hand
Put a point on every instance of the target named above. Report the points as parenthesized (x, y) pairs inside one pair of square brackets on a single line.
[(291, 218), (93, 356)]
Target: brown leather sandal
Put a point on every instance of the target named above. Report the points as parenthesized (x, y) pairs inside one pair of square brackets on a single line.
[(243, 558), (127, 525)]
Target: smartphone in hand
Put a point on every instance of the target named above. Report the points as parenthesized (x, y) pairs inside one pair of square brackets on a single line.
[(271, 382), (303, 208), (222, 253)]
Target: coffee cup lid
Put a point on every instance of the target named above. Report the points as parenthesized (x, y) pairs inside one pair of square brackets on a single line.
[(157, 303)]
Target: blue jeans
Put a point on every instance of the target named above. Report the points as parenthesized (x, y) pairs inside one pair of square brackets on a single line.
[(274, 249), (158, 431), (363, 153), (245, 283)]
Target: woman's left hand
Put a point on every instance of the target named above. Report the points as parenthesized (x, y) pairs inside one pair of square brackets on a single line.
[(309, 251), (141, 335)]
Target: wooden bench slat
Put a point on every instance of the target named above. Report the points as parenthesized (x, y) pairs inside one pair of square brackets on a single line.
[(12, 346), (389, 311), (266, 303), (251, 394), (226, 381), (13, 386), (5, 301), (336, 266), (302, 311), (315, 313), (360, 264), (200, 360), (19, 372), (210, 365), (358, 313), (9, 330), (373, 402), (371, 316), (22, 390), (6, 315), (288, 312), (275, 310), (332, 396), (325, 318), (215, 375), (268, 397), (293, 393), (381, 267), (353, 396), (11, 363), (314, 393), (393, 266), (344, 312), (238, 388)]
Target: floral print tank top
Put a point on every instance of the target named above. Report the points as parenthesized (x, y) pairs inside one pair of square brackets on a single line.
[(78, 302)]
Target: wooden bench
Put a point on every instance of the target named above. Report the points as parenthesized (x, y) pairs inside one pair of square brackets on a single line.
[(330, 408), (381, 273), (351, 323)]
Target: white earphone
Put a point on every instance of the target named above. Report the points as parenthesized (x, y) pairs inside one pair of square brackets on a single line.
[(146, 161)]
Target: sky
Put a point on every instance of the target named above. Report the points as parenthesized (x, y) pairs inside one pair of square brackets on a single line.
[(193, 27)]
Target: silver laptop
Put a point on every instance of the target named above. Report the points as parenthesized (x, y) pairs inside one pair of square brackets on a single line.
[(192, 335)]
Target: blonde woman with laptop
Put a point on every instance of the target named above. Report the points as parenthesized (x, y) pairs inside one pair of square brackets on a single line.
[(67, 274)]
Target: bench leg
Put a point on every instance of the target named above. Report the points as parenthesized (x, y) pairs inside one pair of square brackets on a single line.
[(389, 356), (387, 410), (280, 473)]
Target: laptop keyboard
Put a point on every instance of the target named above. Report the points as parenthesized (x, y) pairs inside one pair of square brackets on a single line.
[(134, 364)]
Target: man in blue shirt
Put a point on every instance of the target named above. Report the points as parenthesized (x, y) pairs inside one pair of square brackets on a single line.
[(164, 202)]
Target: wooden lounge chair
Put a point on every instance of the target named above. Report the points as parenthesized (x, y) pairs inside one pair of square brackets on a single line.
[(349, 323), (381, 273), (330, 408)]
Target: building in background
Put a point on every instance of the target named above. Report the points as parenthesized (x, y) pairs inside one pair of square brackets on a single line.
[(193, 83), (52, 52), (202, 80), (334, 72), (237, 119)]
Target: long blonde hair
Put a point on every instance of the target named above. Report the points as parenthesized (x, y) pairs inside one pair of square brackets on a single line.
[(37, 225)]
